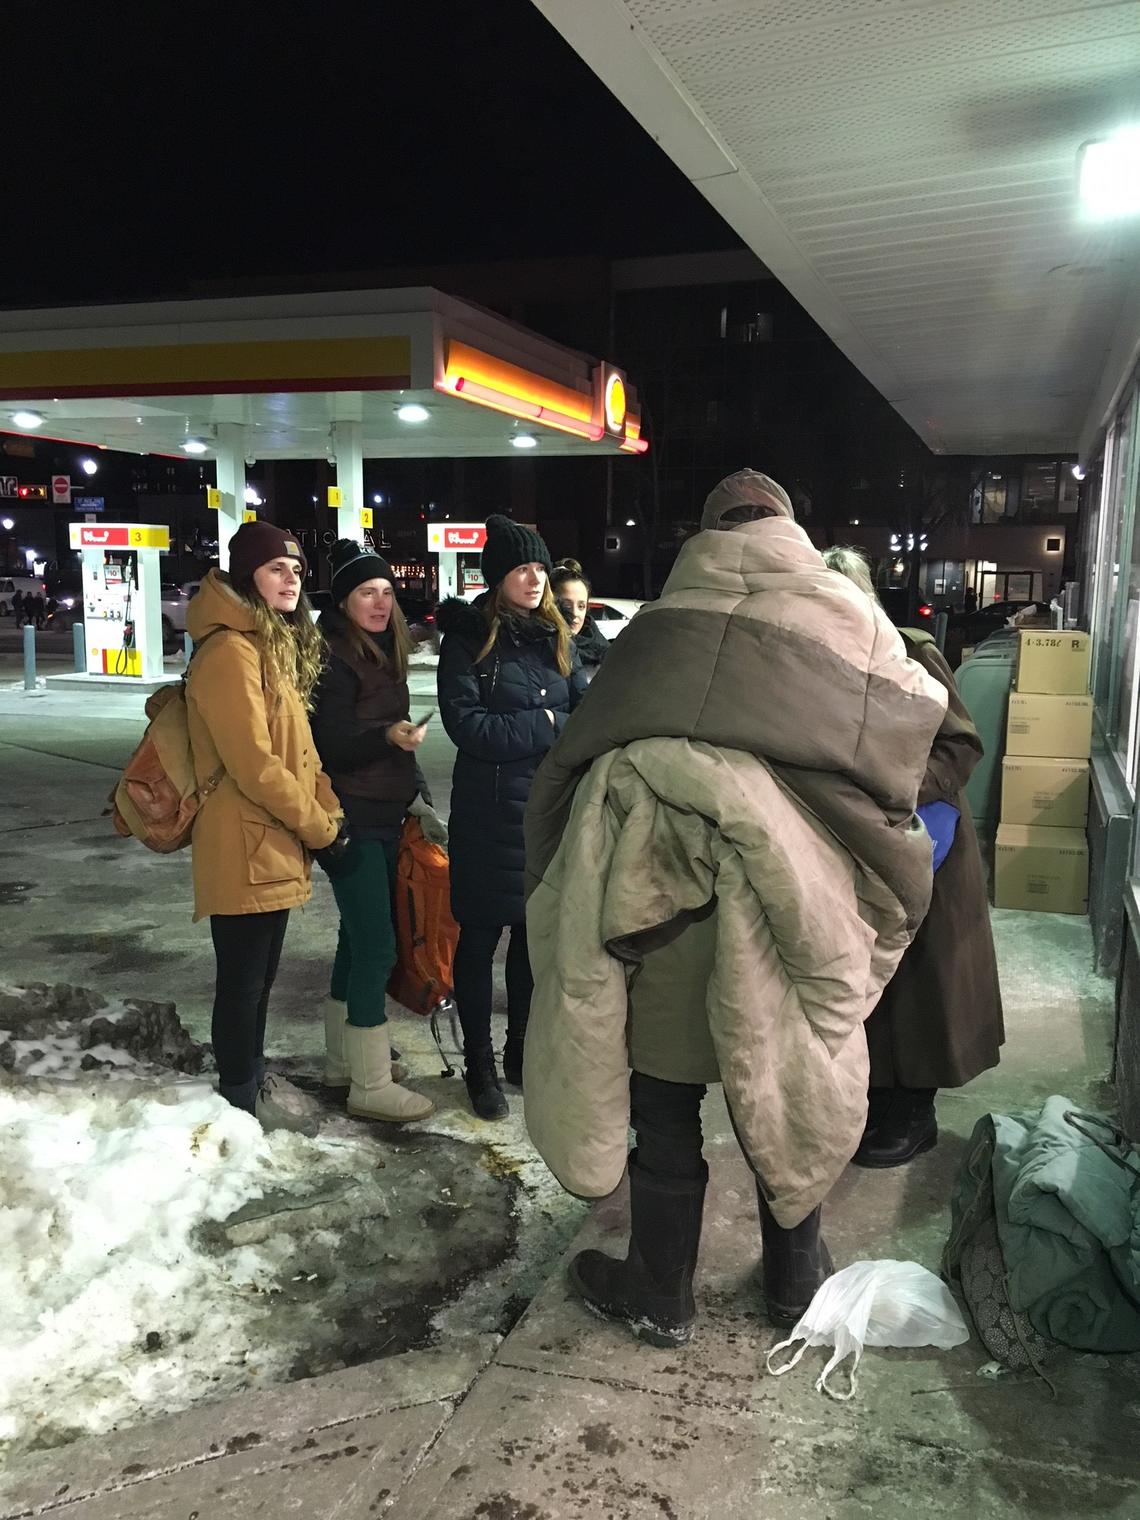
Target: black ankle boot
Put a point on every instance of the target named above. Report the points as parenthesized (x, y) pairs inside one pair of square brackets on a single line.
[(483, 1085), (652, 1290), (905, 1130), (796, 1264), (513, 1058)]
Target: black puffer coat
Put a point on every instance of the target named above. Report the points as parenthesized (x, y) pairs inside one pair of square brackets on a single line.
[(493, 709), (592, 646)]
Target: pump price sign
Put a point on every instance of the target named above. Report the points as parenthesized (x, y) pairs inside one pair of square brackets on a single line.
[(456, 538), (118, 536)]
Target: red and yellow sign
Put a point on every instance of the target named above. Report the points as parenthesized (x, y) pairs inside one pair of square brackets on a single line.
[(118, 536)]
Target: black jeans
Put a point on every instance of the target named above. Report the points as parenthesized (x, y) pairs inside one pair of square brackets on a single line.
[(666, 1118), (473, 957), (248, 948)]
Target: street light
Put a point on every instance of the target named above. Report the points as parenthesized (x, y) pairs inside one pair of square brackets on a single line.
[(7, 525)]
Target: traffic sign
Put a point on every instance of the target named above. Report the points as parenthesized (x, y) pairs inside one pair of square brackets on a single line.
[(8, 485), (61, 490), (90, 503)]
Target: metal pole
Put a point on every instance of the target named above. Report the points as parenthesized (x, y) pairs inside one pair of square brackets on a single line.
[(29, 657), (79, 647), (187, 647), (941, 624)]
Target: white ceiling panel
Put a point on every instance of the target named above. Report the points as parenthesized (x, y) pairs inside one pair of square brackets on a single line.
[(907, 168)]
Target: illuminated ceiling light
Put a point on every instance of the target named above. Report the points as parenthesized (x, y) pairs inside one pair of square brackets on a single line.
[(27, 419), (88, 466), (412, 411), (1079, 471), (524, 441), (252, 498), (194, 446), (377, 499), (7, 525), (1109, 175)]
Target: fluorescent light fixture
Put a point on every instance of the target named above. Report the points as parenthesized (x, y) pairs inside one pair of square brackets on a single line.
[(412, 411), (1109, 175), (524, 441), (88, 466), (194, 446), (27, 419)]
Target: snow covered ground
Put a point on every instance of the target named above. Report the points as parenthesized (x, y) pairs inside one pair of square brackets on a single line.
[(113, 1305), (157, 1248)]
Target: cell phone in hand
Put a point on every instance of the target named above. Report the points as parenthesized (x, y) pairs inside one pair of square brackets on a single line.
[(425, 720)]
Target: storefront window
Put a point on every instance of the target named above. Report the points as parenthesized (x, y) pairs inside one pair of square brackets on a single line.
[(1118, 610)]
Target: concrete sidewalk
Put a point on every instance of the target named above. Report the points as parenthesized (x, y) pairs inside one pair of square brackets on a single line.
[(566, 1417), (570, 1417)]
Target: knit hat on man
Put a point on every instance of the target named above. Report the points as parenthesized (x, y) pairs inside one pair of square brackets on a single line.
[(747, 488), (352, 565), (256, 543), (509, 545)]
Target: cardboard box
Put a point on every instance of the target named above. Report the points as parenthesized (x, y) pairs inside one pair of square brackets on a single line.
[(1049, 793), (1042, 870), (1053, 664), (1056, 726)]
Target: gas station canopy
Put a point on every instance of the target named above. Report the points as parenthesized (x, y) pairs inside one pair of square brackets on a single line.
[(147, 378)]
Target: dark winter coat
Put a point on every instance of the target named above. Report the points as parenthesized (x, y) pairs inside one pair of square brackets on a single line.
[(939, 1021), (592, 646), (494, 710), (355, 704)]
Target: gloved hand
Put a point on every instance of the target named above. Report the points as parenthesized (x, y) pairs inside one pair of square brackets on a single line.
[(334, 857), (435, 830)]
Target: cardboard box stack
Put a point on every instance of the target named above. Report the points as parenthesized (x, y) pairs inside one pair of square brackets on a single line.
[(1042, 858)]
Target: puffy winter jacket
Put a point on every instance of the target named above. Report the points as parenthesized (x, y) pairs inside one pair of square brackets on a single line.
[(355, 704), (495, 711)]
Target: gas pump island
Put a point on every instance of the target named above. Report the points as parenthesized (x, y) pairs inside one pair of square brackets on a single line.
[(122, 599)]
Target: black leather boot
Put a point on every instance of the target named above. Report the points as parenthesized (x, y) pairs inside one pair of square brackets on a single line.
[(796, 1264), (904, 1131), (513, 1057), (652, 1290), (483, 1084)]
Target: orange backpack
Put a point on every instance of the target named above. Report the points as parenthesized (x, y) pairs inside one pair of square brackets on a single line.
[(426, 933)]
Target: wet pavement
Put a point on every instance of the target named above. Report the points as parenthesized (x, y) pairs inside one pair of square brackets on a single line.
[(567, 1416)]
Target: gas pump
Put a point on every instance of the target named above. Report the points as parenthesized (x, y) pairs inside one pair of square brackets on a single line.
[(451, 541), (122, 597)]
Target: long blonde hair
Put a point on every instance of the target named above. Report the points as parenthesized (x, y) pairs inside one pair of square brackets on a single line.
[(546, 612), (292, 646), (367, 648)]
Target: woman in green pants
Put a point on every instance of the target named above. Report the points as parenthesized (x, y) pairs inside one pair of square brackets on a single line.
[(368, 748)]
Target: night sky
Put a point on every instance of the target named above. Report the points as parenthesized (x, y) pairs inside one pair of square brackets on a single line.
[(152, 146)]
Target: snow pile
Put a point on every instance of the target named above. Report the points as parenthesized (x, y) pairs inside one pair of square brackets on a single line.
[(113, 1301)]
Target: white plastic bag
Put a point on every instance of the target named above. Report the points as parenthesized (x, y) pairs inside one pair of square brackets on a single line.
[(874, 1303)]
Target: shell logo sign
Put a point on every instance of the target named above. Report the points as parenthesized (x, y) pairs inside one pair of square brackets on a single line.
[(614, 402)]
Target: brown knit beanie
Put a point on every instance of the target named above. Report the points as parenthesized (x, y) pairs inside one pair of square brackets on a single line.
[(256, 543)]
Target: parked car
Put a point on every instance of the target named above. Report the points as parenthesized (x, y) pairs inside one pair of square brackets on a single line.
[(896, 604), (613, 615), (175, 599), (10, 584), (978, 625)]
